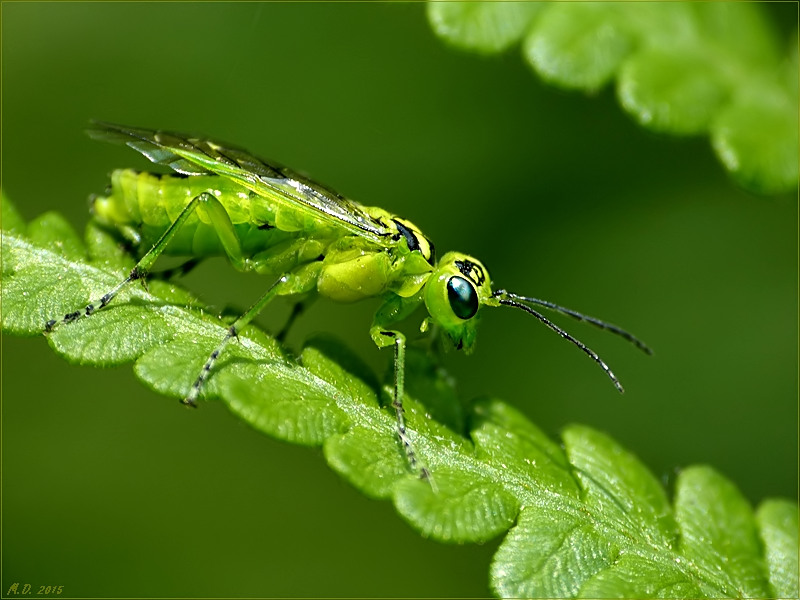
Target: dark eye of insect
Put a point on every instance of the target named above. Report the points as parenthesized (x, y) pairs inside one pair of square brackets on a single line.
[(463, 297)]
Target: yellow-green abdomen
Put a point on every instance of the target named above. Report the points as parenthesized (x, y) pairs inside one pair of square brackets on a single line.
[(142, 205)]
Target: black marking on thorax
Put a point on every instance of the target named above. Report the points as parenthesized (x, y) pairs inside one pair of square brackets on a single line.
[(432, 258), (411, 239)]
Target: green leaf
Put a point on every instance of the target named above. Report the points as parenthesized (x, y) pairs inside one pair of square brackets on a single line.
[(52, 231), (367, 460), (106, 250), (301, 408), (459, 507), (618, 484), (756, 137), (718, 532), (548, 554), (778, 527), (671, 92), (579, 46), (10, 219), (486, 27), (685, 68), (586, 519)]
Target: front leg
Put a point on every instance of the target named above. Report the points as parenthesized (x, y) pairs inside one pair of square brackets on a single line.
[(395, 309)]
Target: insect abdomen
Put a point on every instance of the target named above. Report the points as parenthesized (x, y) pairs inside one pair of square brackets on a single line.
[(142, 205)]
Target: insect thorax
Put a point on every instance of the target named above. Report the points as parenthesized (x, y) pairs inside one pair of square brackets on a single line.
[(354, 269)]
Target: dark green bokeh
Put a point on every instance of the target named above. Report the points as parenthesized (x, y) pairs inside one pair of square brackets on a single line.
[(111, 490)]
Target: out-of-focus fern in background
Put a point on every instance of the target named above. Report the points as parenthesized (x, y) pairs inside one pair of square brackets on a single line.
[(713, 68)]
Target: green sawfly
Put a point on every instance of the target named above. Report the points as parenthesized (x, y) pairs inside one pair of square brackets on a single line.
[(310, 240)]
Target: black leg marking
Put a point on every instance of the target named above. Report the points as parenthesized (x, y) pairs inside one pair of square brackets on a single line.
[(90, 309), (69, 318), (191, 397)]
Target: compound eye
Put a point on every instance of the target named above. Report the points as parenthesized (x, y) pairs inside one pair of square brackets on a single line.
[(463, 297)]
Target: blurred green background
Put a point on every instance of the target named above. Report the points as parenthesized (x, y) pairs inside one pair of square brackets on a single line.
[(111, 490)]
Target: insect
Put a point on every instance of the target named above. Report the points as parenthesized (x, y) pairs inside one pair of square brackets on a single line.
[(221, 200)]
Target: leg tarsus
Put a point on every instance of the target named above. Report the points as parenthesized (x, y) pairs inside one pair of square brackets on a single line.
[(425, 474)]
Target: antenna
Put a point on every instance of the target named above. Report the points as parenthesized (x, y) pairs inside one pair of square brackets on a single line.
[(508, 299)]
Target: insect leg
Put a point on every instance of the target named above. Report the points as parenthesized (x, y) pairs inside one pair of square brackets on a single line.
[(298, 281), (178, 271), (397, 397), (394, 309), (233, 331), (297, 310), (216, 214)]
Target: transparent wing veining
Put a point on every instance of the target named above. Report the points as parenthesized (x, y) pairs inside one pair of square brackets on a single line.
[(195, 156)]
